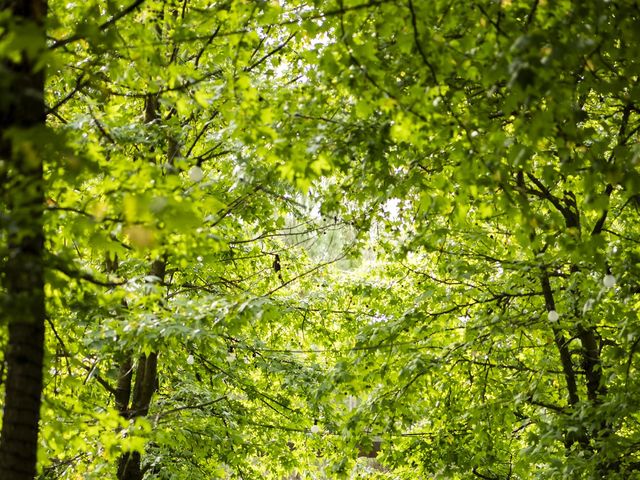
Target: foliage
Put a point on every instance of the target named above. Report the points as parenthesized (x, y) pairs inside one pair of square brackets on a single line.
[(340, 229), (495, 153)]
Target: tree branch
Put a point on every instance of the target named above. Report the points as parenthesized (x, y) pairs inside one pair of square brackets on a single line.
[(416, 38), (188, 407), (57, 264), (102, 27), (561, 343), (269, 54), (597, 228), (80, 83)]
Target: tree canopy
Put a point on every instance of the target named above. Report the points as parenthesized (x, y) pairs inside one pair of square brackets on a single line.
[(320, 239)]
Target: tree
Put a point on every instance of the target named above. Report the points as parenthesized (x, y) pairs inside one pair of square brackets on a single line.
[(162, 281), (21, 128), (281, 237), (491, 145)]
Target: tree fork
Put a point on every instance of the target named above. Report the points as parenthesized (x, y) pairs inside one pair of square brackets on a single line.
[(129, 463)]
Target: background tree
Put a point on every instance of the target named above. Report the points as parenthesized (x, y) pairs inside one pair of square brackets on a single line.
[(166, 231), (495, 145)]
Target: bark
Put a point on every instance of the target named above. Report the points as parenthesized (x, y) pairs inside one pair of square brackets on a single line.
[(135, 403), (22, 114), (123, 387), (147, 372), (129, 467), (561, 344), (591, 363)]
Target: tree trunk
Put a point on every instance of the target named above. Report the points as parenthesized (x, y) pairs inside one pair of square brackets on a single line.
[(146, 371), (129, 467), (22, 119)]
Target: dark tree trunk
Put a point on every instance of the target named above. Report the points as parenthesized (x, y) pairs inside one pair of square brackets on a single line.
[(22, 118), (146, 376), (139, 398), (129, 466)]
